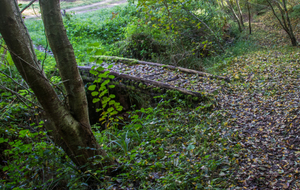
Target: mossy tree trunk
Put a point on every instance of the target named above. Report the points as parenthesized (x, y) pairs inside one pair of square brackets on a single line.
[(70, 123)]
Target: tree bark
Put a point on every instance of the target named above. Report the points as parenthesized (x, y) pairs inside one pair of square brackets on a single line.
[(71, 123)]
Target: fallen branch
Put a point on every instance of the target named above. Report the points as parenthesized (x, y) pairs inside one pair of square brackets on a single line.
[(31, 2)]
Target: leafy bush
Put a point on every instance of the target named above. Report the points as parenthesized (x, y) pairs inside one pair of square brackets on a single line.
[(165, 32), (296, 12)]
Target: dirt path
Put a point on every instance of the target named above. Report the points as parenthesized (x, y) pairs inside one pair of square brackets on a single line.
[(96, 6), (88, 8)]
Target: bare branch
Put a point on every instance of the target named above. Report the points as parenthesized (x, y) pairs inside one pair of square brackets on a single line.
[(31, 2), (15, 81), (189, 12), (41, 73), (20, 97)]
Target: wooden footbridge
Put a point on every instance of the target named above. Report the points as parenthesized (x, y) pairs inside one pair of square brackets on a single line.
[(187, 81)]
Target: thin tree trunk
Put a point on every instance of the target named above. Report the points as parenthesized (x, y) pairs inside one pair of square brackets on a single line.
[(283, 22), (222, 3), (240, 13), (235, 15), (71, 124), (292, 36), (65, 59), (249, 15)]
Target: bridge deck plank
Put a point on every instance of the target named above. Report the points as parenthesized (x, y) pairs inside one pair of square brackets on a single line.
[(159, 75)]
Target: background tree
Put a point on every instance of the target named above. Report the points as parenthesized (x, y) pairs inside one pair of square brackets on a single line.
[(249, 16), (285, 19), (239, 19), (240, 12), (68, 120)]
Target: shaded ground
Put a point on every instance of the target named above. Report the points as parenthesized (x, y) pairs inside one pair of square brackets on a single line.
[(263, 106)]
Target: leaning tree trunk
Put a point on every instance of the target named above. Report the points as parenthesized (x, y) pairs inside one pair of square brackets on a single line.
[(71, 123)]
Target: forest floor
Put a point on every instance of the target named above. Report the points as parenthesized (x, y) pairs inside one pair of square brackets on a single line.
[(262, 116), (262, 108), (262, 103)]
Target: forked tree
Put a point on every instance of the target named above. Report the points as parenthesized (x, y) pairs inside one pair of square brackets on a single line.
[(69, 121), (285, 19), (239, 19)]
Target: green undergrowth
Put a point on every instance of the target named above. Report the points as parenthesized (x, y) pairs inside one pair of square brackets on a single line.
[(162, 147), (241, 45), (128, 31), (170, 147), (104, 26)]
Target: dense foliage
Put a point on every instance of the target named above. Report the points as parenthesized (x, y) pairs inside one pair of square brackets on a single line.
[(173, 144)]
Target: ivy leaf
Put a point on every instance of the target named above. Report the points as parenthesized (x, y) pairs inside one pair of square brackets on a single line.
[(95, 93), (93, 72), (95, 44), (5, 168), (99, 61), (95, 100), (105, 82), (92, 87), (100, 69), (2, 140), (92, 59), (89, 50), (99, 52)]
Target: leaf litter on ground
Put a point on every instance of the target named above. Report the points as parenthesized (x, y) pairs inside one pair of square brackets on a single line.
[(263, 102)]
